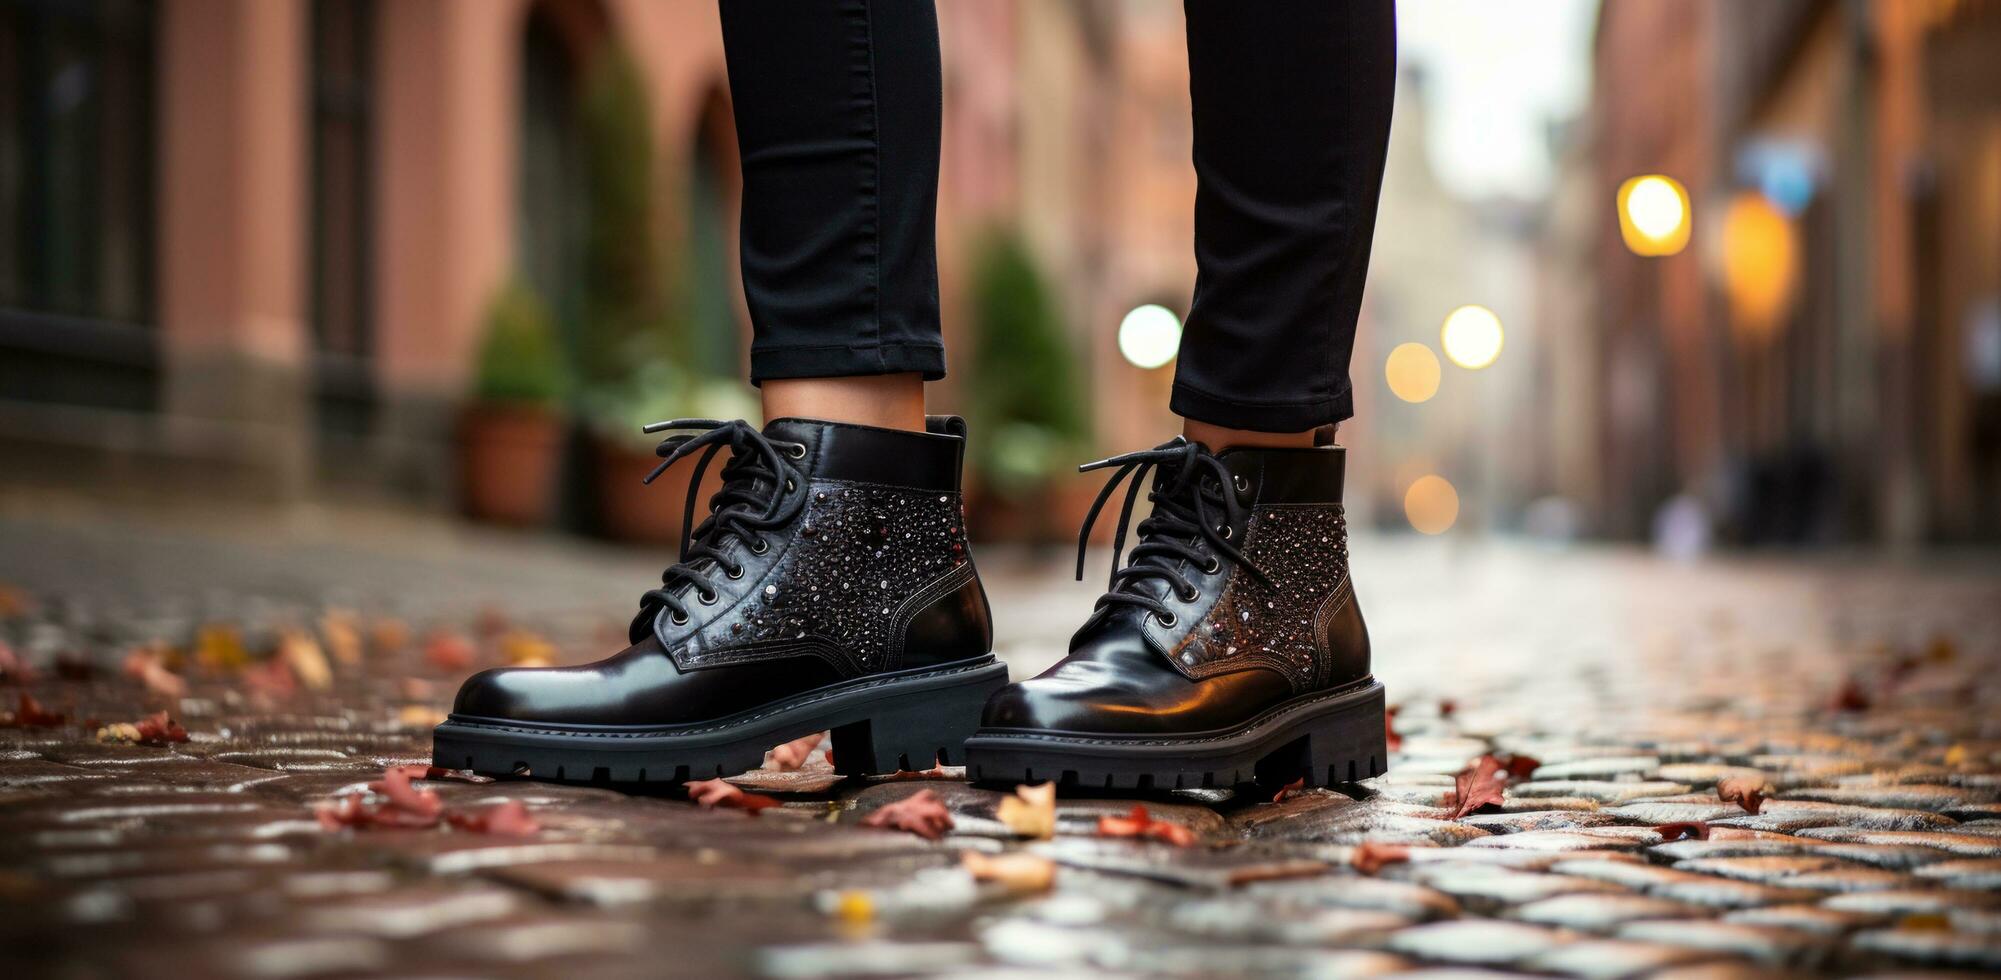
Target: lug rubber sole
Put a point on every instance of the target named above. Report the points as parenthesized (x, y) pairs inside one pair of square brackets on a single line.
[(1324, 738), (906, 720)]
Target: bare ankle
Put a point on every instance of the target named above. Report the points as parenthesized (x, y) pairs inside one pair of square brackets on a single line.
[(1219, 438), (889, 401)]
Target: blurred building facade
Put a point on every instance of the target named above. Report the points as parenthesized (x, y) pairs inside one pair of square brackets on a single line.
[(1823, 362), (249, 244)]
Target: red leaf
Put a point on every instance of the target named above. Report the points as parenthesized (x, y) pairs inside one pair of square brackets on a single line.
[(1288, 789), (1519, 766), (1851, 697), (13, 668), (448, 652), (272, 678), (158, 729), (794, 754), (1696, 830), (919, 813), (1139, 823), (1390, 736), (1744, 791), (1446, 708), (1476, 786), (145, 665), (31, 714), (509, 819), (1369, 857), (395, 784), (721, 793)]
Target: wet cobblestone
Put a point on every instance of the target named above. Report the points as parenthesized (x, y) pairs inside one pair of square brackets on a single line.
[(1639, 686)]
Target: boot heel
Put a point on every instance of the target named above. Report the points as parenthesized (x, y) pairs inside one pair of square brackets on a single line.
[(1348, 745), (914, 732)]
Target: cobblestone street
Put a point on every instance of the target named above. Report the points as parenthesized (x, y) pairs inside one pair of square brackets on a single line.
[(1857, 700)]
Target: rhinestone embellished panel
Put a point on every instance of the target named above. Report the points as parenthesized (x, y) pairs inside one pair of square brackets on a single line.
[(1304, 548), (858, 552)]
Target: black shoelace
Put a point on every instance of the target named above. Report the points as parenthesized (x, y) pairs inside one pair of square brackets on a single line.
[(761, 491), (1194, 505)]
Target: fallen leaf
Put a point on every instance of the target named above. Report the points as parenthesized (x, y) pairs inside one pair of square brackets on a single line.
[(793, 754), (31, 714), (118, 732), (158, 729), (272, 678), (1140, 824), (1519, 766), (920, 813), (1925, 922), (1942, 649), (1030, 812), (854, 907), (521, 648), (490, 622), (398, 784), (1393, 741), (1478, 785), (1955, 756), (302, 653), (388, 635), (1745, 791), (219, 647), (420, 716), (447, 651), (508, 819), (342, 636), (1019, 872), (1687, 830), (1288, 789), (402, 805), (13, 668), (14, 603), (148, 666), (1369, 857), (1850, 696), (721, 793), (1447, 707)]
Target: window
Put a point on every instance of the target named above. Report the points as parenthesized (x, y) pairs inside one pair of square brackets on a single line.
[(342, 194)]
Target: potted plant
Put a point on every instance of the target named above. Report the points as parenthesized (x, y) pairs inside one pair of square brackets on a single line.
[(1026, 403), (512, 431)]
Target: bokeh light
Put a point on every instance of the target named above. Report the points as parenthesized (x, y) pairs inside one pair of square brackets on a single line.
[(1149, 336), (1412, 371), (1431, 504), (1472, 337), (1654, 215), (1760, 263)]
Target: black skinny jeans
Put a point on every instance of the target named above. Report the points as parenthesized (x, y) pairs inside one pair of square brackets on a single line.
[(838, 109)]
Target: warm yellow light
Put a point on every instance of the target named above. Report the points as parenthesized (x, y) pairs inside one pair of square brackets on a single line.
[(1654, 215), (1431, 505), (1472, 337), (1412, 371), (1760, 264), (1149, 336)]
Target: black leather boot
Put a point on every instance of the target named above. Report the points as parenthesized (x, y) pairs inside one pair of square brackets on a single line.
[(1229, 650), (829, 588)]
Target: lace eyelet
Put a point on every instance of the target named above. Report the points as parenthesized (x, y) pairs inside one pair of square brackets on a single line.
[(1167, 621), (1215, 565), (1190, 596), (1226, 531), (796, 450), (789, 485), (706, 598), (1242, 484), (759, 546), (678, 619), (734, 573)]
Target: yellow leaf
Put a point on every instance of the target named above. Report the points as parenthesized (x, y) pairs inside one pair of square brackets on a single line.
[(1020, 873), (854, 907), (420, 716), (1955, 756), (219, 647), (1031, 811), (525, 649), (302, 653), (342, 636)]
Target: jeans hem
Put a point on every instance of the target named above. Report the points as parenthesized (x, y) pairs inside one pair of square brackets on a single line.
[(847, 361), (1200, 406)]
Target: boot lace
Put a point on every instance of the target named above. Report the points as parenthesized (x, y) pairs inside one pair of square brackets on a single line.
[(762, 490), (1193, 506)]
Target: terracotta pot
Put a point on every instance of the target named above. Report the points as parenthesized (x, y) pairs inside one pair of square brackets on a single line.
[(630, 510), (508, 459)]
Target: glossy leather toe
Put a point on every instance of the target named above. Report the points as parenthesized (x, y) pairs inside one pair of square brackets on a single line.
[(638, 686), (1117, 685)]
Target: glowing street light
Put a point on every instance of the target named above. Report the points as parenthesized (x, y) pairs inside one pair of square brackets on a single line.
[(1431, 504), (1149, 336), (1653, 215), (1472, 337), (1412, 371)]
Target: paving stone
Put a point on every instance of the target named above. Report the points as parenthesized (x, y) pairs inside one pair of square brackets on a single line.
[(1682, 886), (1895, 797), (656, 879), (1475, 941), (1914, 902), (1608, 959), (408, 913), (1806, 918), (1601, 767), (1603, 791), (1566, 840), (1799, 871), (1793, 816), (1528, 820), (1767, 944), (1406, 899), (1602, 912), (1378, 819), (1676, 810), (1704, 775), (1497, 888), (1964, 844), (1975, 951), (1976, 873)]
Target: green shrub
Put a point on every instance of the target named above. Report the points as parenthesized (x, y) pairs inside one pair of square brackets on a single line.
[(623, 309), (1025, 396), (520, 359)]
